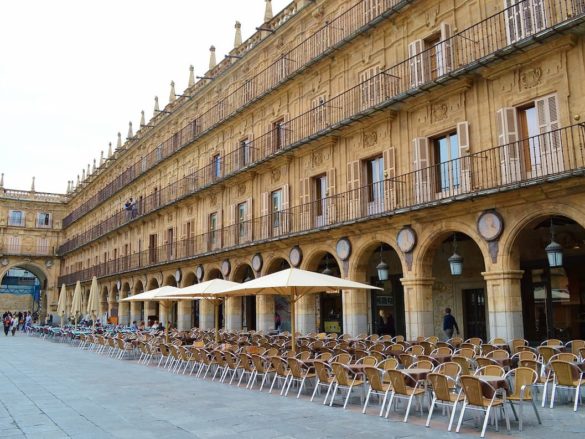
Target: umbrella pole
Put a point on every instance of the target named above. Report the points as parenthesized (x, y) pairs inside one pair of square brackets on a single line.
[(216, 310), (293, 325)]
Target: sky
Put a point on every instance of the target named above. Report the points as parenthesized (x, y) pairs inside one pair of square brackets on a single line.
[(74, 73)]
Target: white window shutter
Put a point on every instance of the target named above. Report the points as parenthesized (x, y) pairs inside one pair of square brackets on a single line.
[(264, 212), (416, 63), (420, 147), (389, 157), (304, 200), (286, 214), (353, 186), (330, 204), (463, 137), (507, 126), (445, 50), (549, 142)]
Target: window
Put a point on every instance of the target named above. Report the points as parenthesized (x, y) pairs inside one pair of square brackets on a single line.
[(320, 183), (431, 57), (319, 110), (278, 134), (152, 250), (446, 155), (170, 243), (159, 152), (245, 152), (44, 220), (375, 177), (276, 207), (16, 218), (216, 166), (42, 246), (524, 18), (371, 86), (528, 126), (213, 228), (248, 90), (14, 244), (242, 216), (282, 68), (372, 9)]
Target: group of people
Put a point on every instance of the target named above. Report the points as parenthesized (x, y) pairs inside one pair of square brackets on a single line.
[(130, 208), (15, 321), (155, 325)]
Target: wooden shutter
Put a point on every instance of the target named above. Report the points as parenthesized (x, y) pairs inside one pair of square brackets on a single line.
[(507, 126), (353, 186), (232, 227), (249, 217), (549, 141), (464, 160), (304, 201), (445, 50), (264, 212), (421, 166), (417, 73), (286, 217), (331, 201), (389, 157)]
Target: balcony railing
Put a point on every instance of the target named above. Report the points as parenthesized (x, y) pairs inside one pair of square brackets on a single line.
[(330, 37), (550, 156), (45, 197), (470, 48)]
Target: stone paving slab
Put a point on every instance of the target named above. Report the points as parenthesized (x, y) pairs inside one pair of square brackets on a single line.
[(53, 391)]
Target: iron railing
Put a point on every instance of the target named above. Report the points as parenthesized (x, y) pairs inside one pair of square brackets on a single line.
[(472, 47), (330, 37), (547, 157)]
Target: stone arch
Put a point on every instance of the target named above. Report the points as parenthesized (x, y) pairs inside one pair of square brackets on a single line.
[(47, 297), (213, 273), (138, 287), (508, 256), (170, 280), (241, 271), (275, 264), (103, 299), (431, 239), (314, 255), (358, 259), (125, 292), (152, 284), (189, 278)]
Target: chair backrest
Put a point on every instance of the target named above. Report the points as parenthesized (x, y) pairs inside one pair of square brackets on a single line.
[(280, 365), (422, 364), (517, 343), (377, 355), (483, 361), (398, 381), (231, 359), (491, 369), (367, 360), (466, 352), (565, 356), (271, 352), (427, 346), (388, 364), (576, 346), (487, 348), (246, 362), (499, 354), (564, 372), (433, 339), (526, 355), (498, 341), (441, 385), (522, 377), (398, 338), (450, 368), (552, 342), (397, 348), (322, 370), (342, 374), (304, 355), (474, 341), (374, 376), (378, 347), (546, 352), (258, 363), (442, 351), (473, 389), (406, 360), (455, 341), (386, 337), (341, 358), (324, 356), (416, 349), (295, 367)]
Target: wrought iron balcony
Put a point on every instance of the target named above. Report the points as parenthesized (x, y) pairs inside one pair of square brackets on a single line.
[(333, 35), (467, 50), (550, 156)]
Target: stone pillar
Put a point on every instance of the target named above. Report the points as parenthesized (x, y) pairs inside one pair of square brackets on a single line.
[(103, 307), (185, 315), (164, 311), (306, 319), (233, 313), (504, 302), (150, 309), (265, 313), (135, 314), (418, 307), (355, 312), (206, 315), (123, 313)]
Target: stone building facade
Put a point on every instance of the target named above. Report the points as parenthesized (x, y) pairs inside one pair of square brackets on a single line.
[(344, 133)]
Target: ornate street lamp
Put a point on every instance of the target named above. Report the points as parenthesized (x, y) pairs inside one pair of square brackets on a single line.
[(554, 251), (455, 261), (382, 268), (328, 271), (249, 276)]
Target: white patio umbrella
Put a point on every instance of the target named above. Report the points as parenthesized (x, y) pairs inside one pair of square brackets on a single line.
[(93, 302), (295, 283), (76, 302), (62, 304), (211, 290)]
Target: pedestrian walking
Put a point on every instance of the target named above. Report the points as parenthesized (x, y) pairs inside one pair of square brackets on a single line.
[(449, 324), (14, 324), (7, 320)]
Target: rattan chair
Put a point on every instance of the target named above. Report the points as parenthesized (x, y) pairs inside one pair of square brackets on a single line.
[(377, 386), (281, 373), (483, 397), (260, 369), (491, 369), (324, 378), (402, 389), (522, 379), (567, 376), (444, 394), (298, 372), (344, 379)]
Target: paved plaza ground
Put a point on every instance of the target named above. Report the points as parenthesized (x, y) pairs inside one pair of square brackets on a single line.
[(53, 390)]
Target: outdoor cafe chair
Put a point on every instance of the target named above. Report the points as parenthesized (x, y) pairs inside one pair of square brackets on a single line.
[(483, 397), (325, 378), (565, 356), (455, 341), (246, 366), (403, 388), (442, 351), (484, 361), (433, 339), (444, 394), (525, 355), (299, 373), (343, 358), (416, 350), (406, 360), (517, 343), (491, 370), (450, 369), (575, 346), (377, 355), (206, 359), (262, 368), (522, 379), (476, 341), (232, 362), (486, 349), (422, 364), (377, 386), (497, 341), (219, 363), (324, 356), (569, 377), (367, 361), (281, 373), (387, 364), (546, 353), (344, 379), (125, 348), (552, 342), (398, 338)]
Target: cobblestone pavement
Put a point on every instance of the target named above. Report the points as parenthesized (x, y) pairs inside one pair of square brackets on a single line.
[(52, 390)]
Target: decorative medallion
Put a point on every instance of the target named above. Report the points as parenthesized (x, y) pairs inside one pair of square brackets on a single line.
[(257, 262), (439, 112), (199, 272), (226, 268), (370, 138), (178, 275), (317, 158), (406, 239), (49, 263), (530, 78), (276, 175), (343, 248), (295, 256), (213, 199), (241, 189), (490, 225)]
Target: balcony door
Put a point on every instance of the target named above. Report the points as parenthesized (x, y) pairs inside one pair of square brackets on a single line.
[(320, 185), (375, 179)]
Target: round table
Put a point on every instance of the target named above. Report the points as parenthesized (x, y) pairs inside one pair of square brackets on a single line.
[(495, 382)]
